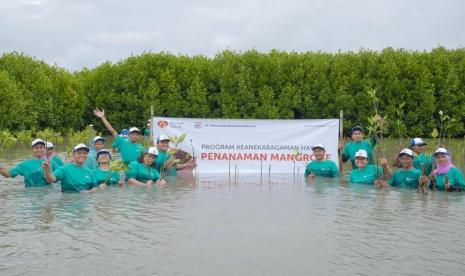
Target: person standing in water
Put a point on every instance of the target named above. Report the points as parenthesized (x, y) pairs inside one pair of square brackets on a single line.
[(165, 160), (53, 157), (320, 166), (129, 148), (98, 143), (74, 177), (103, 175), (142, 173), (446, 177), (30, 169), (407, 176), (356, 134), (369, 174), (421, 160)]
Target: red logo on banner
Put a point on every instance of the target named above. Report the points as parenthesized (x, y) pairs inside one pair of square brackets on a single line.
[(162, 124)]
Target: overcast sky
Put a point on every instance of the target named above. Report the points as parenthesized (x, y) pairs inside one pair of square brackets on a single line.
[(76, 34)]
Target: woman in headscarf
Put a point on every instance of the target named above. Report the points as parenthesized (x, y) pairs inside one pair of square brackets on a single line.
[(446, 177)]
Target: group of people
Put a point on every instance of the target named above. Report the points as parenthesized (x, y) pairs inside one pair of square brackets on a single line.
[(90, 167), (415, 168)]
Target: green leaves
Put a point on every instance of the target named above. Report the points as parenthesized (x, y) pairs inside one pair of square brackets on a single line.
[(418, 91)]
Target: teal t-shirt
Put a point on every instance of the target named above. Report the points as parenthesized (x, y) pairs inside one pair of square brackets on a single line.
[(129, 151), (455, 179), (351, 148), (162, 158), (423, 161), (367, 175), (108, 177), (91, 161), (32, 172), (142, 173), (57, 161), (405, 178), (75, 178), (325, 168)]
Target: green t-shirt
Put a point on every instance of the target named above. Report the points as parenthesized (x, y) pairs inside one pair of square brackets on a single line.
[(91, 161), (423, 161), (405, 178), (367, 175), (57, 161), (129, 151), (351, 148), (75, 178), (325, 168), (32, 172), (455, 179), (162, 158), (101, 176), (142, 173)]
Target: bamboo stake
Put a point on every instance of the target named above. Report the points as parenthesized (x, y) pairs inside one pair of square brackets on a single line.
[(341, 137)]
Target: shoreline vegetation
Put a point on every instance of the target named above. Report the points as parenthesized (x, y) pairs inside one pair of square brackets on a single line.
[(419, 94)]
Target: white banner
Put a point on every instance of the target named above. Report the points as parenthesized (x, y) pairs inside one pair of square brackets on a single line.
[(251, 145)]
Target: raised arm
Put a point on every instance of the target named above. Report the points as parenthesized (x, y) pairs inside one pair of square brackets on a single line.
[(101, 115)]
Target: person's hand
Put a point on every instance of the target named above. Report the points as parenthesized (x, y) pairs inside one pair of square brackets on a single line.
[(121, 183), (401, 147), (161, 182), (99, 113), (46, 165), (383, 162), (311, 176), (149, 182), (340, 145), (380, 183), (424, 179)]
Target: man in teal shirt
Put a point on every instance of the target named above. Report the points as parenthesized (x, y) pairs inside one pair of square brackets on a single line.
[(320, 166), (356, 134), (407, 176), (166, 162), (30, 169), (74, 177), (129, 148)]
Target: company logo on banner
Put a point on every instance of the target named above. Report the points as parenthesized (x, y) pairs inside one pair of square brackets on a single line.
[(251, 144)]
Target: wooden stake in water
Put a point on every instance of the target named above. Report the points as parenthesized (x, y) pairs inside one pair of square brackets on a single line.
[(341, 137), (229, 171), (269, 177)]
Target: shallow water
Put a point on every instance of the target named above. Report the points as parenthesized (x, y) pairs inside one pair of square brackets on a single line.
[(214, 227)]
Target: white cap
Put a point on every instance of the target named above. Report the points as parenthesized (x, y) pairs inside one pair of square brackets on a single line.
[(99, 138), (408, 152), (163, 138), (417, 141), (361, 153), (50, 145), (441, 150), (152, 150), (37, 141), (319, 146), (81, 146), (134, 129)]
